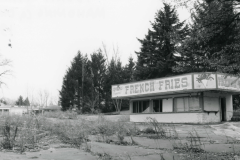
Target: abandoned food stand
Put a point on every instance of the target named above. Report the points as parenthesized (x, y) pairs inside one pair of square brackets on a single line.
[(189, 98)]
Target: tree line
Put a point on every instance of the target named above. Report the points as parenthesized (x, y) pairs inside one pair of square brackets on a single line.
[(40, 99), (22, 102), (87, 82), (209, 42)]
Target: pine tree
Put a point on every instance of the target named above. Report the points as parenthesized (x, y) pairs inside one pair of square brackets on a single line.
[(26, 102), (157, 54), (20, 101), (114, 75), (128, 76), (98, 71), (129, 70), (75, 88), (213, 44), (67, 92)]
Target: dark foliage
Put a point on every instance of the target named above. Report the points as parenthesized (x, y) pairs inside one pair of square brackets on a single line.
[(213, 44), (158, 51)]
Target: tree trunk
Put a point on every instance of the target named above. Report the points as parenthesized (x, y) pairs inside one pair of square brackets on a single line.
[(117, 104)]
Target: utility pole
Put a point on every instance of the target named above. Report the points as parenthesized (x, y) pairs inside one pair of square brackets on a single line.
[(82, 82), (77, 95)]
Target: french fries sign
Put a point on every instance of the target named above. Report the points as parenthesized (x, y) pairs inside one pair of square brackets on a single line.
[(153, 86), (177, 83)]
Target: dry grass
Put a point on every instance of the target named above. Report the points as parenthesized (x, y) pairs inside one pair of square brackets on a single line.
[(21, 132)]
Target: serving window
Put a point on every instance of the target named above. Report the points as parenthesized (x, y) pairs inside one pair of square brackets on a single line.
[(140, 106), (168, 105), (163, 105), (187, 104)]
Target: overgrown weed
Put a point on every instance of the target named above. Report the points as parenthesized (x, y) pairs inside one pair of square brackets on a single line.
[(19, 132), (158, 127)]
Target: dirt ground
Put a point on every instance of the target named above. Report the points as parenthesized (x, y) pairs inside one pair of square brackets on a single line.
[(219, 141)]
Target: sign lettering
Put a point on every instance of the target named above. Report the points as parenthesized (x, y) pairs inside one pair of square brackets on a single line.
[(154, 86)]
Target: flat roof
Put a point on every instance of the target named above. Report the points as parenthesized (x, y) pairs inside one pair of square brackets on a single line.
[(186, 83), (53, 107)]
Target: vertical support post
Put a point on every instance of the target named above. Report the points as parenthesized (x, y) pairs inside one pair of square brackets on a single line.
[(150, 105), (131, 106)]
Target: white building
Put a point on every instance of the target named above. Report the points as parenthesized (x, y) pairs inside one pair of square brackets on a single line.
[(7, 109), (189, 98)]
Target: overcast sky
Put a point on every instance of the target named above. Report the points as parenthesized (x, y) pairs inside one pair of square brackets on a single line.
[(46, 35)]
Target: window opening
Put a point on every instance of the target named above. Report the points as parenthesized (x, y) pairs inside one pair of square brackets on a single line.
[(140, 106), (186, 104), (157, 105)]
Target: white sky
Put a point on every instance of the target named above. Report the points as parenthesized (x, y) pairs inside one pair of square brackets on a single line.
[(46, 35)]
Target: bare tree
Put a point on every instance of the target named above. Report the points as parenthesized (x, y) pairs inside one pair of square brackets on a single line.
[(40, 98), (5, 70), (115, 56), (106, 52), (54, 100), (181, 3), (51, 101), (92, 102), (117, 102), (31, 98), (46, 97)]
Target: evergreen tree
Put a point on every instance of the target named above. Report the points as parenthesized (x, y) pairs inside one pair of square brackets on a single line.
[(98, 71), (114, 75), (129, 70), (67, 92), (2, 100), (213, 44), (157, 54), (128, 76), (26, 102), (75, 87), (20, 101)]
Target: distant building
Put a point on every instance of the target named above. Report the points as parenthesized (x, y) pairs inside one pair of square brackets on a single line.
[(52, 108), (7, 109)]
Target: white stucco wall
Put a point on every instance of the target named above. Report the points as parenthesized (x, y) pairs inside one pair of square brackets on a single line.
[(169, 117), (167, 105), (211, 117), (17, 111)]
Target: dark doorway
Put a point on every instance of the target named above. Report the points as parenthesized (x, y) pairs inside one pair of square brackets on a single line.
[(223, 109)]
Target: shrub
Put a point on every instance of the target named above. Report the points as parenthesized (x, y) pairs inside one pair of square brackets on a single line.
[(158, 128), (149, 130), (105, 129), (19, 131), (70, 132), (9, 135)]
